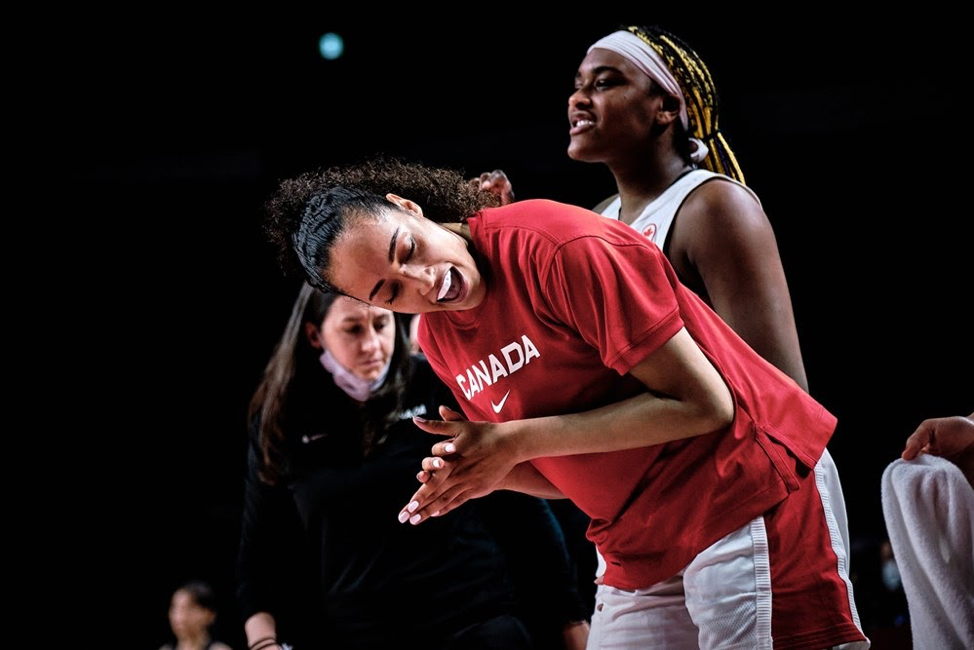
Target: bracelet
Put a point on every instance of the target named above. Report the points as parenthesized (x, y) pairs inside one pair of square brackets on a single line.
[(258, 642), (265, 643)]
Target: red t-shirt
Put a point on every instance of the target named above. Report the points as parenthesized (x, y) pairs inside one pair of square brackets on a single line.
[(573, 302)]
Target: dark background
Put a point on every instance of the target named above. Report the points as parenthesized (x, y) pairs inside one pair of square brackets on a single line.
[(172, 130)]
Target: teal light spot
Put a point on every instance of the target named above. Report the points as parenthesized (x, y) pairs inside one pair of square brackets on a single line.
[(331, 46)]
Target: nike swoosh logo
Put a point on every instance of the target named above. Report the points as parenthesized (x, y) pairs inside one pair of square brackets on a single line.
[(497, 407)]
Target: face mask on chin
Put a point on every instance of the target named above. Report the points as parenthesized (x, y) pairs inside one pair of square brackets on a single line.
[(354, 386)]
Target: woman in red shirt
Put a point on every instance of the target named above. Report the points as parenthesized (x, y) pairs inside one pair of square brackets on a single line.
[(589, 372)]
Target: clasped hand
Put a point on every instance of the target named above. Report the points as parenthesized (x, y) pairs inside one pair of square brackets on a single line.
[(472, 462)]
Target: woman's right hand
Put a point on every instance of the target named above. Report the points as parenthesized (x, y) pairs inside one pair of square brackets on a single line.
[(472, 462), (496, 182)]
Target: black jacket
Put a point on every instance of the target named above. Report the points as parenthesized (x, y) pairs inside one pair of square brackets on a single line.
[(334, 515)]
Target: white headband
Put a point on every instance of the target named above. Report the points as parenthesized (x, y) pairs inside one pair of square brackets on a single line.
[(635, 50)]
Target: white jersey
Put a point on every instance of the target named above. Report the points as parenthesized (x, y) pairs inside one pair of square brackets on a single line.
[(655, 221)]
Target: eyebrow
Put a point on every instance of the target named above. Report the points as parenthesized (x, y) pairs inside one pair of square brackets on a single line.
[(392, 244), (375, 290), (392, 253), (599, 70)]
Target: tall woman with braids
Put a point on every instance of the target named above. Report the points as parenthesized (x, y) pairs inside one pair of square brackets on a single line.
[(322, 560), (645, 106)]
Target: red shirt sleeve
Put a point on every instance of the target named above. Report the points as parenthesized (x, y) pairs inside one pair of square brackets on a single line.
[(616, 295)]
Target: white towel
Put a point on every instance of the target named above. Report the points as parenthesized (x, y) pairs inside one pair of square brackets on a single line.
[(929, 509)]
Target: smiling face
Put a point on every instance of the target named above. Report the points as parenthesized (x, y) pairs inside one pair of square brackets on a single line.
[(404, 262), (613, 109)]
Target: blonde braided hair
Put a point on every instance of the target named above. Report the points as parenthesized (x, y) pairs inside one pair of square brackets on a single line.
[(700, 95)]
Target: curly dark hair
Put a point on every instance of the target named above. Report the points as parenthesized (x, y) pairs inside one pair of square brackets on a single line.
[(307, 214)]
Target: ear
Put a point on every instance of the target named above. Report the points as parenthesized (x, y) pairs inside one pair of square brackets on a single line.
[(669, 110), (405, 204), (314, 336)]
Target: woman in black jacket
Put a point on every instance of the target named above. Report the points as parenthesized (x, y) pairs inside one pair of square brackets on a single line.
[(332, 450)]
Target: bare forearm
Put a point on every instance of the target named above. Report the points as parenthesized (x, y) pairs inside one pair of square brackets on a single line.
[(260, 626), (639, 421), (525, 478), (481, 456), (695, 401)]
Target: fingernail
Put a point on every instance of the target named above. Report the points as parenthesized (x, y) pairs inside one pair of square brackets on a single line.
[(437, 463), (450, 447), (403, 516), (412, 506), (414, 519), (416, 418), (435, 514)]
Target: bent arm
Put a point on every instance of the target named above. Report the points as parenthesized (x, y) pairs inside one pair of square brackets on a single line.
[(525, 478), (687, 397), (724, 238)]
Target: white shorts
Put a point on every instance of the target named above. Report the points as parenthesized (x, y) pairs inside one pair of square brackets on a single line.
[(780, 581)]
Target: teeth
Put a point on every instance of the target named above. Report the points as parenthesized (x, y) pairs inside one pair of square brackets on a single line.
[(583, 123), (445, 287)]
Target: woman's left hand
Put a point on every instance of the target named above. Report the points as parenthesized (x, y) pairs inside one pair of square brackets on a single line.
[(471, 463)]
